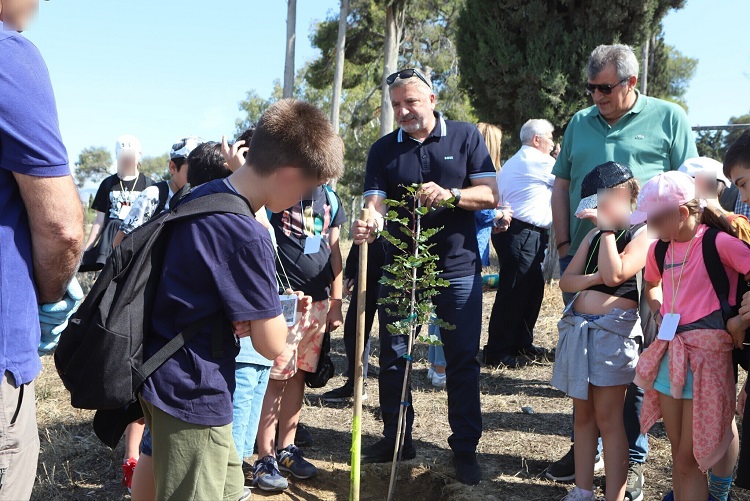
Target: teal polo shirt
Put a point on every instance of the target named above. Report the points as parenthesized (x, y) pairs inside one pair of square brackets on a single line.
[(653, 137)]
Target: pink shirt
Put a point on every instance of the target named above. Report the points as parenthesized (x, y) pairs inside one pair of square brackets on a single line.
[(695, 296)]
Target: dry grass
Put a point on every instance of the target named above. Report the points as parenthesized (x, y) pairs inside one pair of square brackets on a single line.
[(515, 448)]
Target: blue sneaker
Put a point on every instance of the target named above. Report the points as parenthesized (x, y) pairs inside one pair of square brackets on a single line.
[(266, 475), (292, 460)]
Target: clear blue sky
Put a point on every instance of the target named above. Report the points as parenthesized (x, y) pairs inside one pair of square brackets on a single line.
[(164, 69)]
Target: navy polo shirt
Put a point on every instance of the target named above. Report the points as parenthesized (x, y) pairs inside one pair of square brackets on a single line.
[(451, 156)]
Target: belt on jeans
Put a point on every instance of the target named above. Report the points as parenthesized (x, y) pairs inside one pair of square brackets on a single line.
[(527, 226)]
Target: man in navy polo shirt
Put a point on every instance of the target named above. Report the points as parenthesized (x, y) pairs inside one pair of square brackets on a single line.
[(449, 159), (41, 235)]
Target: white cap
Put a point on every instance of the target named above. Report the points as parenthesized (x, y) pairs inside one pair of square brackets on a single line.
[(693, 166), (128, 144)]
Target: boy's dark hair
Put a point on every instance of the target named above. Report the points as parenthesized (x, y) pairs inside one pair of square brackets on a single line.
[(178, 162), (293, 133), (247, 135), (738, 155), (206, 163)]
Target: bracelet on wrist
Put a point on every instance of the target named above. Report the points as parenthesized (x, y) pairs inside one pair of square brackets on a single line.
[(567, 242)]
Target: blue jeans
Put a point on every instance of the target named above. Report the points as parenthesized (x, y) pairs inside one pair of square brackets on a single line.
[(459, 304), (436, 354), (637, 442), (252, 381)]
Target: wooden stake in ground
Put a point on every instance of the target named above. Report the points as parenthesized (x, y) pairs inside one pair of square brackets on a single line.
[(359, 366)]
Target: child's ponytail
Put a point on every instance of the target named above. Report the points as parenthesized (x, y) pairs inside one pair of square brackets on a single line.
[(711, 217)]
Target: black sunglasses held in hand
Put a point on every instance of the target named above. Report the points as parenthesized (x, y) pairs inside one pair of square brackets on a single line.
[(605, 89), (407, 73)]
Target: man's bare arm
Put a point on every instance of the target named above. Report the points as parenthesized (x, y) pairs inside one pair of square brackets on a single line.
[(56, 222), (561, 214)]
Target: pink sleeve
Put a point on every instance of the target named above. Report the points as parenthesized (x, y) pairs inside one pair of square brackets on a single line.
[(652, 270), (733, 252)]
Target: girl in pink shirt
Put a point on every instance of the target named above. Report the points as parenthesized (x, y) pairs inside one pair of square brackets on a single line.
[(687, 371)]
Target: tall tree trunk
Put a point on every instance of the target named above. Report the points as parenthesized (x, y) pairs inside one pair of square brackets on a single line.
[(291, 35), (644, 66), (394, 16), (338, 75)]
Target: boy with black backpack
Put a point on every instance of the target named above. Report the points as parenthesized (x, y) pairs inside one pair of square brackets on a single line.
[(209, 262), (309, 260)]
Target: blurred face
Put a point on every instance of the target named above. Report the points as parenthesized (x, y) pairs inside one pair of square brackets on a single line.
[(544, 143), (620, 100), (706, 185), (127, 164), (290, 187), (179, 177), (740, 176), (666, 225), (614, 208), (16, 14), (413, 109)]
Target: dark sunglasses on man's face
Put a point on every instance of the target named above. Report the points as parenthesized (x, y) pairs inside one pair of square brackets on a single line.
[(407, 73), (605, 89)]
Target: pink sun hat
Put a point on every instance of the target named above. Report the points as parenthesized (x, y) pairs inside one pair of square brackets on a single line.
[(666, 191)]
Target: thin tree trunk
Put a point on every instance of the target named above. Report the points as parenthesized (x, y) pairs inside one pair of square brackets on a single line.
[(338, 75), (644, 65), (393, 12), (291, 35)]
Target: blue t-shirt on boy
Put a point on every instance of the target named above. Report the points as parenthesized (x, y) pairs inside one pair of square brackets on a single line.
[(212, 263), (30, 144)]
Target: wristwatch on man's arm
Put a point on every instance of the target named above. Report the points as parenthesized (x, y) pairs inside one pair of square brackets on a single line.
[(456, 193)]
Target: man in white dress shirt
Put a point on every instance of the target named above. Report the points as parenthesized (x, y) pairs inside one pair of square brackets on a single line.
[(525, 184)]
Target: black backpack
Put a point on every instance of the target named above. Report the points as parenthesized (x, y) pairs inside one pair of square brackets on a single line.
[(100, 355), (719, 281), (163, 187)]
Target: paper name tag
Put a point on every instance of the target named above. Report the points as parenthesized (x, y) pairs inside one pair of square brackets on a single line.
[(124, 211), (289, 308), (668, 328), (312, 244)]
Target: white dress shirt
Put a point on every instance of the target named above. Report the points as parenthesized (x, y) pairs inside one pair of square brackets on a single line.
[(525, 183)]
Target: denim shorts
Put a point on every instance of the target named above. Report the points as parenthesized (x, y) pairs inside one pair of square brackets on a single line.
[(663, 384), (146, 445)]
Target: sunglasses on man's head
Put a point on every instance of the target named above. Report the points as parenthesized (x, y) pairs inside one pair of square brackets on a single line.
[(407, 73), (605, 89)]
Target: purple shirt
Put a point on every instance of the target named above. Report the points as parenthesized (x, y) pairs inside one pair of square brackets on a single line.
[(30, 144), (212, 263)]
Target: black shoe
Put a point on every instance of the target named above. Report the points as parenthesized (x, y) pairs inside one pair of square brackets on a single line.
[(512, 362), (537, 353), (564, 469), (303, 438), (341, 394), (382, 451), (344, 393), (467, 468)]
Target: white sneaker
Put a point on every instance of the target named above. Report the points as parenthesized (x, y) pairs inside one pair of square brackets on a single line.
[(438, 380), (577, 495)]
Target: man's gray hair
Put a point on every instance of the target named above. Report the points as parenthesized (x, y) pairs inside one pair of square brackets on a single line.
[(535, 127), (622, 56), (416, 81)]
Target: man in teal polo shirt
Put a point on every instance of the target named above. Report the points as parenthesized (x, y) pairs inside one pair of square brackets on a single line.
[(646, 134)]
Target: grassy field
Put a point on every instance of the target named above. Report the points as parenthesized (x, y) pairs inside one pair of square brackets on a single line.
[(514, 451)]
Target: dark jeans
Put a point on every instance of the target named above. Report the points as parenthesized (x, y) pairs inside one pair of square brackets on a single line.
[(637, 442), (520, 291), (459, 304), (350, 324)]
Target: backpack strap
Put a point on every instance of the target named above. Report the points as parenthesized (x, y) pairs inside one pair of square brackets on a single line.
[(163, 187), (140, 374), (333, 201), (215, 203), (660, 253), (716, 272)]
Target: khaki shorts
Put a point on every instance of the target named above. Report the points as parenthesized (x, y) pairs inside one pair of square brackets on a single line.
[(19, 439), (303, 343)]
